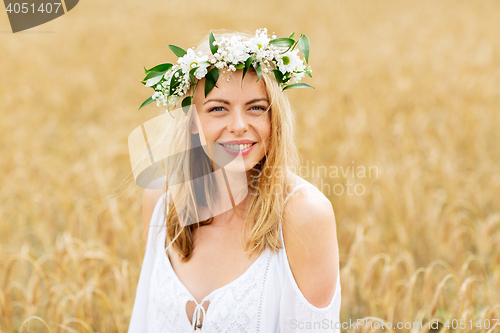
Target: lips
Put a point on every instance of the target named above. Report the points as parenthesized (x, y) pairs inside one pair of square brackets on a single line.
[(235, 149)]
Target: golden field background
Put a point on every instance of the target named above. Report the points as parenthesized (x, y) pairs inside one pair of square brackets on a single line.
[(411, 87)]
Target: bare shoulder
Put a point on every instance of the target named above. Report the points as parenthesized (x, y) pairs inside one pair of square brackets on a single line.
[(307, 200), (149, 200), (309, 231)]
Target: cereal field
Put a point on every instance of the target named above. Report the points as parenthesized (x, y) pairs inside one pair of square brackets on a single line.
[(408, 88)]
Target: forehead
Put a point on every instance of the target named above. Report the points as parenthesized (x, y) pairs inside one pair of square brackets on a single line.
[(234, 88)]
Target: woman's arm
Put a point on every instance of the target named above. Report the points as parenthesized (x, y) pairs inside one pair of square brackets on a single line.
[(138, 320), (310, 237)]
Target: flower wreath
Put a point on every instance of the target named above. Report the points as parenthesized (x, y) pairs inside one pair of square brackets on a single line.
[(264, 54)]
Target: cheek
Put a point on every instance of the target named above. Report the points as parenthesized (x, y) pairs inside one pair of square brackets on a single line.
[(265, 130), (210, 128)]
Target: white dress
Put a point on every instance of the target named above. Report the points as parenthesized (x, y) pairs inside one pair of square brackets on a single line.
[(264, 299)]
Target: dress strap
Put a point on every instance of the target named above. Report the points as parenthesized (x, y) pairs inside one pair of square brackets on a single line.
[(298, 187)]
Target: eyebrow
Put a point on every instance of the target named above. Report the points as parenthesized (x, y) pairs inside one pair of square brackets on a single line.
[(227, 102)]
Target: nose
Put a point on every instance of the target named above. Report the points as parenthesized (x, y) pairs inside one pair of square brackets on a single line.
[(238, 123)]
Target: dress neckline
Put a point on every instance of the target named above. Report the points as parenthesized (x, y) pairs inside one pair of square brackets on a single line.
[(218, 290), (235, 281)]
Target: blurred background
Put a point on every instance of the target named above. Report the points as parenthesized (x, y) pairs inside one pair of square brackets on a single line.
[(411, 88)]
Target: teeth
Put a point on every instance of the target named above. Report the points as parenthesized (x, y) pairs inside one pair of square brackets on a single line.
[(237, 147)]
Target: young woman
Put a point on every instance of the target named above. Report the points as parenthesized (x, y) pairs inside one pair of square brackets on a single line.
[(227, 257)]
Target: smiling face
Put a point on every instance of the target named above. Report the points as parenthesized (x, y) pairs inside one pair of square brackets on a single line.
[(234, 118)]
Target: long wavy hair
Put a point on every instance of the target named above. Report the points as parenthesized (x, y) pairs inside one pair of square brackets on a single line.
[(268, 180)]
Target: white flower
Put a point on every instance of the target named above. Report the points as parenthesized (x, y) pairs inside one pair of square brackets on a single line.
[(232, 51), (296, 77), (202, 70), (186, 60), (261, 41), (290, 62), (191, 60), (262, 31)]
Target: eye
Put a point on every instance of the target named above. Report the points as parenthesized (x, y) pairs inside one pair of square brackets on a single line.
[(258, 108), (216, 109)]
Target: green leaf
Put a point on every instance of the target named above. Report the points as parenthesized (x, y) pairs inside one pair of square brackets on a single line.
[(175, 81), (247, 66), (282, 42), (186, 104), (152, 81), (298, 85), (304, 46), (286, 77), (153, 74), (240, 65), (258, 70), (308, 72), (211, 40), (146, 102), (177, 50), (160, 68), (278, 75), (191, 73), (211, 80), (291, 35), (214, 74)]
